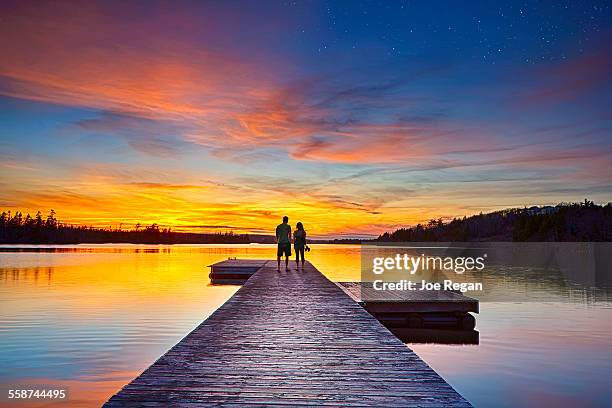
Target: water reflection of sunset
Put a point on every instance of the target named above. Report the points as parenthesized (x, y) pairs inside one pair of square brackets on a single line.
[(92, 317)]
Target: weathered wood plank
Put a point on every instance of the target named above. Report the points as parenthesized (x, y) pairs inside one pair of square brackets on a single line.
[(289, 339)]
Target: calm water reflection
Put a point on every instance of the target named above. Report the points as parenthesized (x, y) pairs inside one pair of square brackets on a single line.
[(93, 317)]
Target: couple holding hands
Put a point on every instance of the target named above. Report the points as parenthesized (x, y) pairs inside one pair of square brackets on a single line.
[(283, 239)]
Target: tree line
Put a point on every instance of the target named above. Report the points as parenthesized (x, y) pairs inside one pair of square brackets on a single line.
[(15, 228), (585, 221)]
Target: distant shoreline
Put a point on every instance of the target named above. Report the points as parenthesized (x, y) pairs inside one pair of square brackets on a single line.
[(21, 245), (565, 222)]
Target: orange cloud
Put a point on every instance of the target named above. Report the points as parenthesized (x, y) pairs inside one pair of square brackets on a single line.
[(86, 56), (141, 74)]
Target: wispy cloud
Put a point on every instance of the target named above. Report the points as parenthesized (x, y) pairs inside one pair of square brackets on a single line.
[(146, 82), (568, 80)]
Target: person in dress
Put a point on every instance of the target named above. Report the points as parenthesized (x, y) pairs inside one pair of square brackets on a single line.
[(299, 244)]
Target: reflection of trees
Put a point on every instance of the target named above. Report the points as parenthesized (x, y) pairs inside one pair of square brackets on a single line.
[(16, 229), (514, 271), (34, 274)]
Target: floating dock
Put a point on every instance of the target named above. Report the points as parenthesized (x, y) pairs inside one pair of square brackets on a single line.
[(416, 316), (289, 338), (234, 271)]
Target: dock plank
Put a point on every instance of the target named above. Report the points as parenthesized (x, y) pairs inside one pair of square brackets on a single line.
[(289, 339)]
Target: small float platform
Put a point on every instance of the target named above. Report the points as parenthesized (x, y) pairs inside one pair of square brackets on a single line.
[(416, 309), (234, 271)]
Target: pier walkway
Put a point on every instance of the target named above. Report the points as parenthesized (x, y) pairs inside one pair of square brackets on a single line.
[(289, 339)]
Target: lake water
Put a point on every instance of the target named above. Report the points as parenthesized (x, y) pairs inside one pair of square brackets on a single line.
[(92, 317)]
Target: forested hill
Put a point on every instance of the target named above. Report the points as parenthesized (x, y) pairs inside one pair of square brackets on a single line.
[(584, 221), (18, 229)]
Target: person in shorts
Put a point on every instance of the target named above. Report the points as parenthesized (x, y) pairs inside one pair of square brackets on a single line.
[(283, 241)]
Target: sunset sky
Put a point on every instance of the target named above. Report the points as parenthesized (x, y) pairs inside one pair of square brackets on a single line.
[(352, 117)]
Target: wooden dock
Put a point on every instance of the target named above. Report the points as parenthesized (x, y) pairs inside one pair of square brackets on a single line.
[(289, 339), (431, 309)]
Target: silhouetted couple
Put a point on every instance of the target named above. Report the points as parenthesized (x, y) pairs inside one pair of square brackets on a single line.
[(283, 239)]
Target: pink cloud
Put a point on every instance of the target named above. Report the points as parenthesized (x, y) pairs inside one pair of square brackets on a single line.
[(570, 79)]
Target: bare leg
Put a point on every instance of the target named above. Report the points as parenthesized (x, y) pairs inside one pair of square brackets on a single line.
[(287, 263), (302, 250), (278, 262)]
